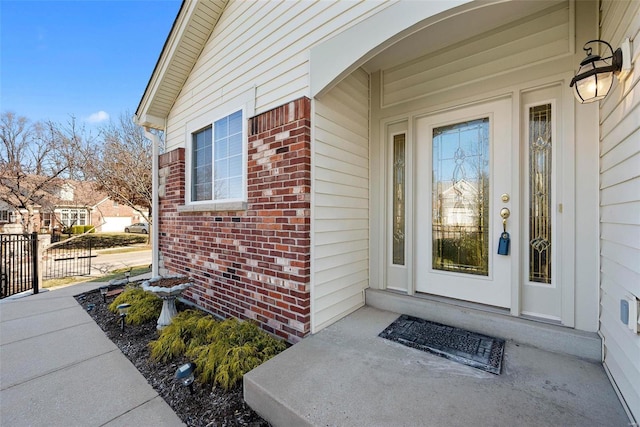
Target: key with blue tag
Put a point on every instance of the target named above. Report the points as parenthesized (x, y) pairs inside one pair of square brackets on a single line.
[(503, 243)]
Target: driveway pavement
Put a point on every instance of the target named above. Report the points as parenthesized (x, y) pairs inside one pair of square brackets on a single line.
[(107, 262)]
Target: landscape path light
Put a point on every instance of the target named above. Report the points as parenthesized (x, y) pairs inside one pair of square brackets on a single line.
[(186, 375), (103, 292), (123, 309)]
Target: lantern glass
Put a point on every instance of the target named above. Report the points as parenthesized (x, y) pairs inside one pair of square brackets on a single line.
[(595, 87), (123, 309)]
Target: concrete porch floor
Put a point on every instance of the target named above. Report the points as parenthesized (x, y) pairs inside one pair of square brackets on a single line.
[(347, 376)]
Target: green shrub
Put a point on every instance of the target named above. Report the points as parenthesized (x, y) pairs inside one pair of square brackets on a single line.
[(77, 229), (145, 306), (222, 351), (88, 229), (235, 349), (188, 328)]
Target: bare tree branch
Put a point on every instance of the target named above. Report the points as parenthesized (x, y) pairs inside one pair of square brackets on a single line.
[(121, 165), (32, 164)]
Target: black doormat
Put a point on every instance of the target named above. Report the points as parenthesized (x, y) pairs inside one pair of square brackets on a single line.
[(470, 348)]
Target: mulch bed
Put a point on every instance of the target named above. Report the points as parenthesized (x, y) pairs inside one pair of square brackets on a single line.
[(208, 406)]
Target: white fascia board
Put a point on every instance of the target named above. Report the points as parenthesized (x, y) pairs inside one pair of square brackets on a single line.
[(164, 61), (335, 58), (149, 121)]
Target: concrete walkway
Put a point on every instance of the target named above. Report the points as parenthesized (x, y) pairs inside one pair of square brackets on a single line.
[(57, 368), (346, 375)]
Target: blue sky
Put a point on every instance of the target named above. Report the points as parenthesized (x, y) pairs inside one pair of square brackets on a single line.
[(87, 58)]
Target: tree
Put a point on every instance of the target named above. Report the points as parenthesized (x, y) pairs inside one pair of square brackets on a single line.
[(33, 162), (121, 166)]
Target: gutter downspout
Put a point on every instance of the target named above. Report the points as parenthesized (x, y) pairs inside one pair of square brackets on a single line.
[(155, 246)]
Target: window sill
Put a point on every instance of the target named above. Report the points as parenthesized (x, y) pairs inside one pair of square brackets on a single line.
[(213, 207)]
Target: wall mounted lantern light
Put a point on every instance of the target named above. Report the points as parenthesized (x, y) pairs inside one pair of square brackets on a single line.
[(593, 80)]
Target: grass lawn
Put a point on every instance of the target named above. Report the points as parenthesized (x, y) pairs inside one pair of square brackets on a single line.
[(119, 274), (110, 240), (116, 274)]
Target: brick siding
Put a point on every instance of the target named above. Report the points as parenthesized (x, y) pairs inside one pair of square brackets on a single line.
[(253, 263)]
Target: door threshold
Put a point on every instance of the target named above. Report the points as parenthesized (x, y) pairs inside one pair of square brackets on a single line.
[(462, 303), (533, 318), (491, 321), (485, 308)]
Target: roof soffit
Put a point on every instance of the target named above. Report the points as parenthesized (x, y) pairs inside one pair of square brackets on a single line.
[(191, 30)]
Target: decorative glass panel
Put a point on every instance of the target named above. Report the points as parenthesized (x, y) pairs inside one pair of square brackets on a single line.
[(460, 197), (540, 193), (398, 198)]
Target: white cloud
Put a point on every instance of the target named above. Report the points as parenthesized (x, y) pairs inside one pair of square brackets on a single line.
[(98, 117)]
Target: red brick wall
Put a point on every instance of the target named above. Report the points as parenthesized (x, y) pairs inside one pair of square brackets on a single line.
[(253, 263)]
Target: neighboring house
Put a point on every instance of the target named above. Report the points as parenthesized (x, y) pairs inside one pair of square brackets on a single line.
[(111, 216), (78, 203), (307, 142), (13, 220), (8, 215)]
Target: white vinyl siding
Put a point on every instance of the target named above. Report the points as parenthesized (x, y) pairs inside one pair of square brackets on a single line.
[(341, 200), (542, 37), (620, 204), (268, 41)]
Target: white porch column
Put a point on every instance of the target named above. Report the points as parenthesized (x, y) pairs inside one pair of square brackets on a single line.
[(155, 247)]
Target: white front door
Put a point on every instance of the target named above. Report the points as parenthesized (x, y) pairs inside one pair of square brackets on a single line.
[(464, 178)]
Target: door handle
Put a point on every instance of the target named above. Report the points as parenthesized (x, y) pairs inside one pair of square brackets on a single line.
[(504, 213), (503, 243)]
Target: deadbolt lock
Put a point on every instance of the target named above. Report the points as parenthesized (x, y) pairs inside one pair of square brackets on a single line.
[(505, 198), (504, 213)]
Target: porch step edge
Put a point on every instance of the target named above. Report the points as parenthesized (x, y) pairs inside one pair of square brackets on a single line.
[(264, 404), (558, 339)]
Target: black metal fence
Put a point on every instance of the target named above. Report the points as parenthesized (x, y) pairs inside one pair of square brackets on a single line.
[(66, 259), (18, 263)]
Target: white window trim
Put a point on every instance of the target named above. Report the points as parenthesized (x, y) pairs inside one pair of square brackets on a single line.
[(245, 103), (78, 211)]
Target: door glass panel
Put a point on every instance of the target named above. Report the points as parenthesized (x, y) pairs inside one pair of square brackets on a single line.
[(540, 194), (460, 197), (398, 198)]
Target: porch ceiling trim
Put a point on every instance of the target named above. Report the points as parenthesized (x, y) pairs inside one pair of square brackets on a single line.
[(190, 31), (339, 56)]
